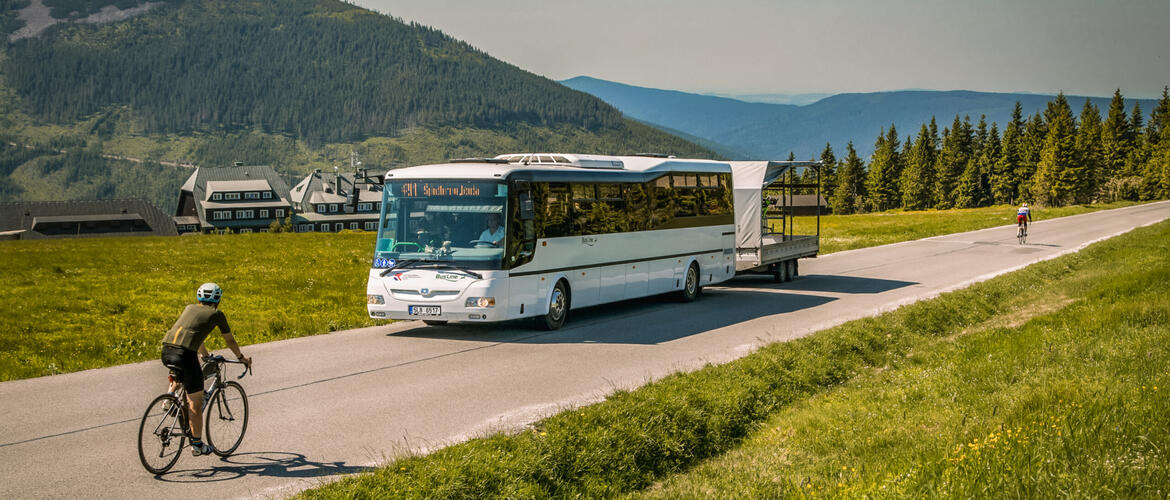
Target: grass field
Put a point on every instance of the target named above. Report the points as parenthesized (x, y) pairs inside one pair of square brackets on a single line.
[(1046, 382), (86, 303), (74, 304)]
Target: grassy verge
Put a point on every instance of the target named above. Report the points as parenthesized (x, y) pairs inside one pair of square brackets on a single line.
[(917, 402), (848, 232), (84, 303)]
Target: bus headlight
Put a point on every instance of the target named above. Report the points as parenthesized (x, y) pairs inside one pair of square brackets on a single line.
[(480, 302), (376, 300)]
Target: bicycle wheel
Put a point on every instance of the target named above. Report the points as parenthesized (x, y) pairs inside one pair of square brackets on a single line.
[(227, 418), (161, 435)]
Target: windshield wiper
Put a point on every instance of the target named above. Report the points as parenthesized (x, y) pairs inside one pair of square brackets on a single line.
[(429, 264)]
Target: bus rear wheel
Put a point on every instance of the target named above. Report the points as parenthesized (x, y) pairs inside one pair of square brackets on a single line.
[(558, 308), (691, 287)]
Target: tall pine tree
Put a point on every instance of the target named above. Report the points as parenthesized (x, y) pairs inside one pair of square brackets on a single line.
[(1056, 181), (951, 161), (918, 174), (828, 171), (884, 172), (849, 195), (1005, 174), (1091, 176), (1117, 138)]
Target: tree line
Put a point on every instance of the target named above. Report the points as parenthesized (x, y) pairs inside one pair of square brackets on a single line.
[(1052, 158)]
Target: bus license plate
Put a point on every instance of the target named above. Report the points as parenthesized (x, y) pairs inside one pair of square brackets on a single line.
[(424, 311)]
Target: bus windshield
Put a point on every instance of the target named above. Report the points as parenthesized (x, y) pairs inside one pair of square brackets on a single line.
[(450, 221)]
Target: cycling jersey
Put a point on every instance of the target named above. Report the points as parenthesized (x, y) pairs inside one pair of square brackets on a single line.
[(193, 325), (1025, 211)]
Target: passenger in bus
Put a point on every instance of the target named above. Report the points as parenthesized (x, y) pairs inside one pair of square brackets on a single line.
[(494, 234), (434, 230)]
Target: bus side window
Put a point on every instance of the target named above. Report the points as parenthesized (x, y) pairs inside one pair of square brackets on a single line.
[(609, 213), (584, 199), (637, 206), (551, 204), (663, 210), (686, 199)]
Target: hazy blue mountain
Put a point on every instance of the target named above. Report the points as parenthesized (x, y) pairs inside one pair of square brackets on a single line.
[(762, 130)]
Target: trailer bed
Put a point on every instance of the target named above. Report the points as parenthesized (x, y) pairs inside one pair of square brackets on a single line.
[(775, 248)]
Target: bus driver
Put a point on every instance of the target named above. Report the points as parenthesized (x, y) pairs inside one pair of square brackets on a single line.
[(494, 234)]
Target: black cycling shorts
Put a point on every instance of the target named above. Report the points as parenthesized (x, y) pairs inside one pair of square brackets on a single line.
[(188, 361)]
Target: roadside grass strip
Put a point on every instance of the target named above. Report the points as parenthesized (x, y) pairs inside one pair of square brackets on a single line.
[(849, 232), (1045, 382)]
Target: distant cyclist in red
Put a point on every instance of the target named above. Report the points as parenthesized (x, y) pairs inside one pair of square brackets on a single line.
[(184, 342), (1023, 217)]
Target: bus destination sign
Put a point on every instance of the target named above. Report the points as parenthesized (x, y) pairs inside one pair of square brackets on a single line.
[(446, 189)]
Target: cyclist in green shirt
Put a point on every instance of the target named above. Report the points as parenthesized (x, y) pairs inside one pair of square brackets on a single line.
[(180, 345)]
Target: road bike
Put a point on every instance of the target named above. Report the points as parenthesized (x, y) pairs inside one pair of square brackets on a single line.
[(1022, 233), (163, 432)]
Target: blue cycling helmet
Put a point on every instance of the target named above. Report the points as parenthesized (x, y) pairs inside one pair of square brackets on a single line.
[(209, 293)]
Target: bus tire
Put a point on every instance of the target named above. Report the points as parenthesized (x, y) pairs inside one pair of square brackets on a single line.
[(435, 322), (558, 308), (691, 284)]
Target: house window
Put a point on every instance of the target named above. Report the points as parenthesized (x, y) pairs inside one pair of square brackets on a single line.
[(231, 196), (264, 214), (221, 215), (365, 207), (251, 195), (338, 227), (324, 228), (268, 195), (371, 226), (279, 213), (332, 207), (320, 209), (216, 196), (263, 230), (306, 228), (245, 214), (245, 230), (353, 225)]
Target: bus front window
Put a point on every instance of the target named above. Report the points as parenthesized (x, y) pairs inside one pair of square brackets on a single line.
[(450, 221)]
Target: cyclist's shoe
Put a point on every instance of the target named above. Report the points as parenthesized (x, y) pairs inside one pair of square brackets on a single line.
[(200, 448)]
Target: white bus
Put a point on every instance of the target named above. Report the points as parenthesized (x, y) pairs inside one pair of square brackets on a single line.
[(537, 235)]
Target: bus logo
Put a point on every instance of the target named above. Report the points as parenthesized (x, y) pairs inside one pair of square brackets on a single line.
[(426, 292)]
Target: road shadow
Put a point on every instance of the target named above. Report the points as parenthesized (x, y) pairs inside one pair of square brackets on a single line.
[(650, 320), (261, 463), (829, 283)]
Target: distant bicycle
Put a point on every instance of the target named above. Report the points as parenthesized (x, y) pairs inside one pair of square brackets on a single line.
[(164, 432)]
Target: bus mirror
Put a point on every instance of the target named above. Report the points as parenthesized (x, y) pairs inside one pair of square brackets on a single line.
[(526, 212)]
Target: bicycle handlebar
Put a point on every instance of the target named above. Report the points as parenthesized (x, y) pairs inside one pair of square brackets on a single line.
[(220, 359)]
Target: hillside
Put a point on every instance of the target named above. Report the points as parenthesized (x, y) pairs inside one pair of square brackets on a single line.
[(292, 83), (762, 130)]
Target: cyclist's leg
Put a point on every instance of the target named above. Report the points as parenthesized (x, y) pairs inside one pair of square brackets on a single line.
[(195, 399)]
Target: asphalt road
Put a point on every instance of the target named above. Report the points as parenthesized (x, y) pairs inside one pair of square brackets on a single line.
[(343, 402)]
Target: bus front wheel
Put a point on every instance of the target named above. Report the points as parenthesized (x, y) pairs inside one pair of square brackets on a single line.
[(558, 308)]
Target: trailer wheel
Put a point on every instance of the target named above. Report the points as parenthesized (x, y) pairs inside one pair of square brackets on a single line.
[(778, 272)]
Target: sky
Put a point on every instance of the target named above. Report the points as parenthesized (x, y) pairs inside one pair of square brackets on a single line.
[(1081, 47)]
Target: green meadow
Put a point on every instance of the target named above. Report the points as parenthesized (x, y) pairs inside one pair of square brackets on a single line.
[(1048, 382), (76, 304)]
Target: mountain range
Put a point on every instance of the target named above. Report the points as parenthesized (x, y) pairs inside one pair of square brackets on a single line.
[(296, 84), (752, 130)]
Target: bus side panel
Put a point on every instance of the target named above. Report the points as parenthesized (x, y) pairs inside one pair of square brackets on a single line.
[(661, 276), (524, 290), (585, 285), (637, 280), (613, 283)]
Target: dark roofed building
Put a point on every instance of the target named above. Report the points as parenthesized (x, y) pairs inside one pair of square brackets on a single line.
[(328, 202), (82, 218), (243, 199)]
